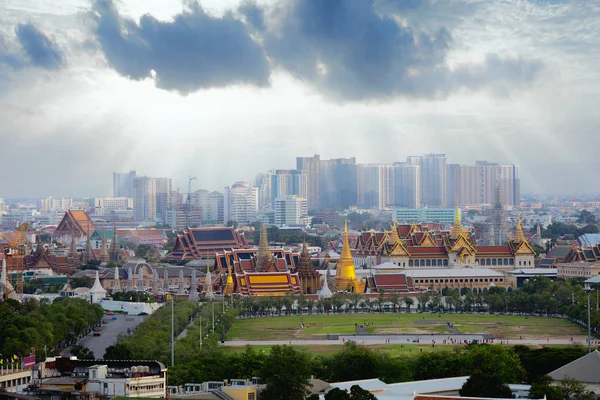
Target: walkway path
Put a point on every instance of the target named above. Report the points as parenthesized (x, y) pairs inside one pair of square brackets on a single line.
[(400, 339)]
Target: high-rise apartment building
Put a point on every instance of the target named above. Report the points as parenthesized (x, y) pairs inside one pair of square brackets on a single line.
[(211, 205), (241, 203), (433, 179), (312, 166), (123, 184), (405, 185), (289, 182), (144, 199), (477, 184), (51, 204), (265, 192), (163, 196), (338, 183), (290, 210), (507, 175), (105, 205), (373, 185)]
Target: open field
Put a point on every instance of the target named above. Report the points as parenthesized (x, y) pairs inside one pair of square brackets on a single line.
[(318, 326), (393, 350)]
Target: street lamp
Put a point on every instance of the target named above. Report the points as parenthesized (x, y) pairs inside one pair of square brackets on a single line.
[(588, 290)]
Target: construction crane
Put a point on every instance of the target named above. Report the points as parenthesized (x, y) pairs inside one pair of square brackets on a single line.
[(189, 199), (17, 245)]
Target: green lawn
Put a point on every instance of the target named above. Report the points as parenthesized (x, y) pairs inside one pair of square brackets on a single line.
[(393, 350), (501, 326)]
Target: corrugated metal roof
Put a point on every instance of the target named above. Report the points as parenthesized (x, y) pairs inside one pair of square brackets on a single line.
[(584, 369)]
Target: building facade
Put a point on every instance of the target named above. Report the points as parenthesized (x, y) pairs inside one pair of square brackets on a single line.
[(211, 205), (290, 210), (444, 216), (144, 199), (312, 167), (123, 184), (405, 181), (241, 203)]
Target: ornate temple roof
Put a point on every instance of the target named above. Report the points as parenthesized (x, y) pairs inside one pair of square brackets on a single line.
[(198, 243)]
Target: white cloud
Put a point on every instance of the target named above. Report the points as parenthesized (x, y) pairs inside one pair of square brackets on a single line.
[(74, 127)]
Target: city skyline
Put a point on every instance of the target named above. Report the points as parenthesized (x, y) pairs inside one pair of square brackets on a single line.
[(512, 82)]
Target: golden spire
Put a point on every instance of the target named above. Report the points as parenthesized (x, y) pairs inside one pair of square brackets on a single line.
[(229, 285), (345, 272), (457, 229), (263, 247), (519, 236), (394, 238)]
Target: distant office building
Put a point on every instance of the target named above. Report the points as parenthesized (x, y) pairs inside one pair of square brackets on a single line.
[(241, 203), (433, 179), (186, 216), (290, 210), (51, 204), (211, 205), (123, 184), (144, 199), (312, 167), (289, 182), (373, 181), (106, 205), (405, 185), (508, 177), (444, 216), (163, 196), (263, 182), (338, 183)]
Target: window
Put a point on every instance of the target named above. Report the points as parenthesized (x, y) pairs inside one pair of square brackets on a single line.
[(251, 396)]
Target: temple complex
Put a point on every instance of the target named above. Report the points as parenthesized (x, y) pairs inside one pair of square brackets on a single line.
[(75, 224), (310, 279), (197, 243), (345, 272), (258, 272), (418, 246)]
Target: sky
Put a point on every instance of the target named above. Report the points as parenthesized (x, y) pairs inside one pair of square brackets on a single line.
[(223, 90)]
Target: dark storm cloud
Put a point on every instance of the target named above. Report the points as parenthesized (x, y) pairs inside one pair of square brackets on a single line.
[(352, 52), (40, 50), (192, 52), (348, 50), (37, 50)]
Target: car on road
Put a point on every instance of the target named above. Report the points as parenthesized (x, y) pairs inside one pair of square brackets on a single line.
[(114, 317), (142, 314), (97, 332), (110, 313)]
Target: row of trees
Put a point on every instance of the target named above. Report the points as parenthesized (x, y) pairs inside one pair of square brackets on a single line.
[(34, 324), (151, 340), (286, 371), (538, 296)]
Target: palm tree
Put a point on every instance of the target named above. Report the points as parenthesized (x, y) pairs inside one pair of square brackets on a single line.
[(380, 300)]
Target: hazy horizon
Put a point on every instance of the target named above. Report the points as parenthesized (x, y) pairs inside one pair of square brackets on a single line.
[(223, 89)]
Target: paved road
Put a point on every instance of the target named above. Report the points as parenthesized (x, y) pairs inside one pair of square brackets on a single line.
[(98, 344), (400, 339)]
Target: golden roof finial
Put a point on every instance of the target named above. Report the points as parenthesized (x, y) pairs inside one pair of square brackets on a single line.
[(394, 238), (519, 236), (457, 229), (346, 245)]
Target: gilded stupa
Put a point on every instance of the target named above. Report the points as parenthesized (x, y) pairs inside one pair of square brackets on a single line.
[(345, 274)]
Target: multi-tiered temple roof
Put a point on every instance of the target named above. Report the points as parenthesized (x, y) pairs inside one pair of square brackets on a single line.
[(197, 243), (259, 272)]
